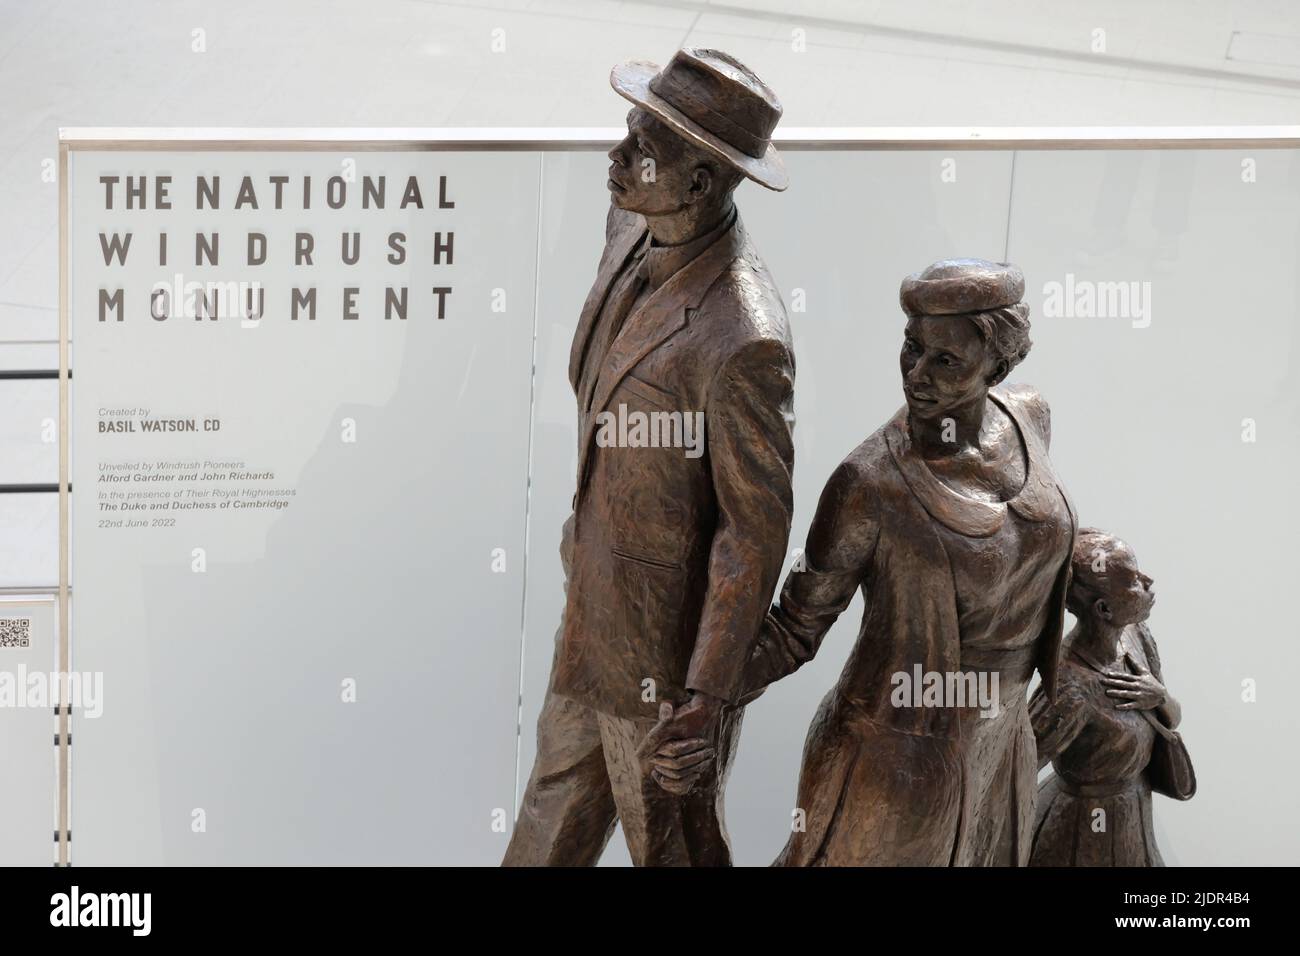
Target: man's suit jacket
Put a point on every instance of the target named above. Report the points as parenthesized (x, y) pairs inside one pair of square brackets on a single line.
[(671, 560)]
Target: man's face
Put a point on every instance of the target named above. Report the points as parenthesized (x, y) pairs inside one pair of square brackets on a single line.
[(653, 171)]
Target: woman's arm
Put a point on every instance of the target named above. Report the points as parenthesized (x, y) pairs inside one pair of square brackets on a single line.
[(1056, 726), (820, 586)]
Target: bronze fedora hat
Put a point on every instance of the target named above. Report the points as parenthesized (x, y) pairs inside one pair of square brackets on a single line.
[(714, 101)]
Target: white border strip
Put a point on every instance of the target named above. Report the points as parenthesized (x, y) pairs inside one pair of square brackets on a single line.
[(556, 138)]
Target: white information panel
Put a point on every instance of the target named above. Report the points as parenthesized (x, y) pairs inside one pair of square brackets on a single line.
[(298, 539), (316, 559)]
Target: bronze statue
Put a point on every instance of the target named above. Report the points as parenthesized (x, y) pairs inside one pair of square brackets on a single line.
[(952, 522), (1110, 734), (672, 553)]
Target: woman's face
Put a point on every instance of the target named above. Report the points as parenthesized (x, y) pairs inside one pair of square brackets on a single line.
[(946, 365), (1130, 594)]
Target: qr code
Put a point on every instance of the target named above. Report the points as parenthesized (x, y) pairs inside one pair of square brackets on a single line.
[(15, 632)]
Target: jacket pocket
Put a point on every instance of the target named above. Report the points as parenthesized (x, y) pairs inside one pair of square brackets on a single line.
[(653, 394), (647, 560)]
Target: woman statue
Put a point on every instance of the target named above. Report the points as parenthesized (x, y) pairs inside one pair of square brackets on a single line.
[(954, 526), (1109, 736)]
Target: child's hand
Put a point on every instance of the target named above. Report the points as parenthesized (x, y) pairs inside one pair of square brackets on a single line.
[(1139, 691)]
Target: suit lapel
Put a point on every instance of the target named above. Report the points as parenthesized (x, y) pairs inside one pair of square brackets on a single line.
[(615, 256), (661, 316)]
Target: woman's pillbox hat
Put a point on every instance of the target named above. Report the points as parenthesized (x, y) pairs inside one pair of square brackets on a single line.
[(960, 286)]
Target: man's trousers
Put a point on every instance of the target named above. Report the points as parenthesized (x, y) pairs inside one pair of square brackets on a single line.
[(587, 776)]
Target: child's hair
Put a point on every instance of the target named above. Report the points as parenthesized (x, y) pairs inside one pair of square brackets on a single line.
[(1092, 551)]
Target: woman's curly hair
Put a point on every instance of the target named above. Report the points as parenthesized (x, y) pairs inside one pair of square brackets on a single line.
[(1006, 331)]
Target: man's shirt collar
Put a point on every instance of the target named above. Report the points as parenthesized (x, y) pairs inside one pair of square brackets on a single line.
[(659, 263)]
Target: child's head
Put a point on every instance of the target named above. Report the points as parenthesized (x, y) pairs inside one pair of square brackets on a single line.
[(1106, 583)]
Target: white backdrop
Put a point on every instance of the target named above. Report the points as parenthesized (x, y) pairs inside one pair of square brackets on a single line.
[(223, 687)]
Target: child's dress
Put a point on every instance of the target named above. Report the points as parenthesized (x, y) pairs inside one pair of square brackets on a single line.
[(1095, 809)]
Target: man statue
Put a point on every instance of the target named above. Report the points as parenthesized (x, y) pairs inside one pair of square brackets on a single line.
[(677, 538)]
